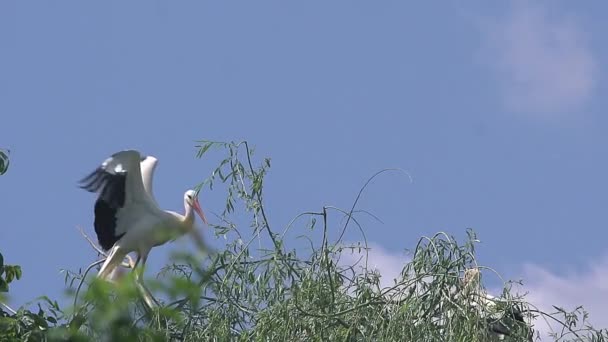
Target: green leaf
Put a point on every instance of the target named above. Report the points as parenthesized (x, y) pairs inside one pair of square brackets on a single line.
[(4, 162), (204, 148), (77, 322), (12, 272), (1, 263), (3, 285), (41, 322)]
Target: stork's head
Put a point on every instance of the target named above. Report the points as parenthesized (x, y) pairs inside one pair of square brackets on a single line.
[(471, 277), (191, 199)]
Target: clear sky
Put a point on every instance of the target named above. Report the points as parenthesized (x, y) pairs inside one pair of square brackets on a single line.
[(495, 111)]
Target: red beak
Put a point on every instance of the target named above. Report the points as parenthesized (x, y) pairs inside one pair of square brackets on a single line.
[(199, 211)]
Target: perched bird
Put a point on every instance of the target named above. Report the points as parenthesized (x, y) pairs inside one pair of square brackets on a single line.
[(127, 217), (501, 326)]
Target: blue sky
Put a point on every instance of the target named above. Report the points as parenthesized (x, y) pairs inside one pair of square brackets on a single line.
[(495, 111)]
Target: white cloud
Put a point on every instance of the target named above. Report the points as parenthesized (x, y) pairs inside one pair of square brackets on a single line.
[(388, 264), (543, 61), (588, 288)]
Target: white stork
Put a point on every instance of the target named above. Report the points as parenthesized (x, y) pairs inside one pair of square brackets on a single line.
[(127, 217), (484, 301)]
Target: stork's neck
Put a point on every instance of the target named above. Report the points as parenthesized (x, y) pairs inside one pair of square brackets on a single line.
[(188, 220)]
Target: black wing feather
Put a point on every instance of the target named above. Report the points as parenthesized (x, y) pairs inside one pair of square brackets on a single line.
[(111, 188)]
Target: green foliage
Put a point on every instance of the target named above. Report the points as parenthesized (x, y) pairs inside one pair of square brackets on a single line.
[(4, 161), (255, 288), (8, 273), (22, 324)]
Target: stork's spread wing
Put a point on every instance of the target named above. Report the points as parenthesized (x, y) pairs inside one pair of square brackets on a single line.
[(148, 165), (123, 199)]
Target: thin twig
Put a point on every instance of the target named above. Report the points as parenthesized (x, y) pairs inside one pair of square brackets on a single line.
[(259, 196), (84, 276), (9, 308), (361, 192), (102, 252), (94, 245)]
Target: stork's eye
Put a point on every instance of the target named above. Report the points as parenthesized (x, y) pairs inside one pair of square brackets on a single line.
[(189, 197)]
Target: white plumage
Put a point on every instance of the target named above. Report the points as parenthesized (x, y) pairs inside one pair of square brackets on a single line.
[(480, 300), (127, 216)]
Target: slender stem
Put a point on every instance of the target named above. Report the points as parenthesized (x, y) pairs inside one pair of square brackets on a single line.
[(8, 308), (361, 192), (259, 197), (84, 276)]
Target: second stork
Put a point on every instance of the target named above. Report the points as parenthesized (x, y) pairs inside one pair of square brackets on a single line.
[(127, 217)]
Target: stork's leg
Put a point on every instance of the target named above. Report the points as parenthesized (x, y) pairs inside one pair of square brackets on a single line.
[(144, 259), (150, 301), (114, 259), (137, 261), (114, 275), (142, 256)]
